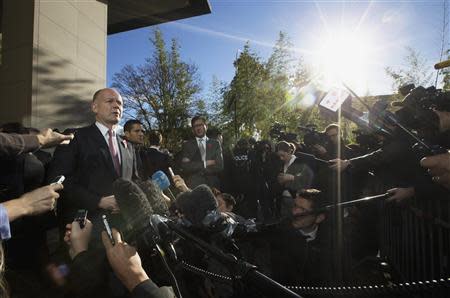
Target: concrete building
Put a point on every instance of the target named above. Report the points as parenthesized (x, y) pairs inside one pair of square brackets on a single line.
[(53, 53)]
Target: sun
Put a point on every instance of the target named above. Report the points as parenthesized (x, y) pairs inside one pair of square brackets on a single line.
[(344, 56)]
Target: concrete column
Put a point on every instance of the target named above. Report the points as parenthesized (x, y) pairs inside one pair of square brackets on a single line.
[(54, 59)]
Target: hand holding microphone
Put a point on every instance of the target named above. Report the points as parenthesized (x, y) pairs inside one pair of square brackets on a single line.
[(160, 178), (180, 184)]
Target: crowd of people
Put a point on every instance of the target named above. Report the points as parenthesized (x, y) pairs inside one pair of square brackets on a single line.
[(282, 187)]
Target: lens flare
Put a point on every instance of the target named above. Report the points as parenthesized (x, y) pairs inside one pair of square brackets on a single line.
[(345, 56)]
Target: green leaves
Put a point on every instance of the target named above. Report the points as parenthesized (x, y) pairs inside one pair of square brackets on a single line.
[(161, 92), (259, 93)]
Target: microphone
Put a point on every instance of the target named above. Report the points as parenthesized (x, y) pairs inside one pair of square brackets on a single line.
[(248, 273), (134, 206), (195, 205), (442, 64), (154, 197), (160, 178), (142, 230), (137, 213), (327, 208)]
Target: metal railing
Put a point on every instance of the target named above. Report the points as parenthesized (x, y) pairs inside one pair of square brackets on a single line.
[(415, 238)]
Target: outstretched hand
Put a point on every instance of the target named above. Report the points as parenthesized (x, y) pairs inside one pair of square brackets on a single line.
[(49, 138), (439, 168)]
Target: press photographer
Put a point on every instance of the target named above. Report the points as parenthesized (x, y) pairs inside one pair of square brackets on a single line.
[(423, 113)]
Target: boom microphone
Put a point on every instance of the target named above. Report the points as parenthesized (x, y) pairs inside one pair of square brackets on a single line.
[(196, 204), (344, 204), (154, 197), (134, 206), (138, 213)]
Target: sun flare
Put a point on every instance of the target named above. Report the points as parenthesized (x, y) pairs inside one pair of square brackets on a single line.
[(344, 56)]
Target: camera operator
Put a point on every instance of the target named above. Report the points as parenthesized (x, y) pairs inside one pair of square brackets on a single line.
[(295, 175), (314, 142), (366, 142), (336, 144), (396, 162)]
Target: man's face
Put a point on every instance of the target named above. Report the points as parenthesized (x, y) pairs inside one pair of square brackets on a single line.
[(136, 134), (333, 135), (302, 206), (108, 107), (199, 128), (283, 155)]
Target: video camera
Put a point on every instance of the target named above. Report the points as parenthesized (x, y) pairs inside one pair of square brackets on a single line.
[(312, 136), (417, 107), (366, 140), (278, 132)]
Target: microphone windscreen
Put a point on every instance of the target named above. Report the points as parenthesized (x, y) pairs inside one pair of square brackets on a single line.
[(154, 197), (196, 204), (133, 204), (160, 178)]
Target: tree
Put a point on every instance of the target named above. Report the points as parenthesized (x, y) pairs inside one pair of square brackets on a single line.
[(279, 82), (267, 92), (416, 71), (215, 103), (162, 92), (242, 98)]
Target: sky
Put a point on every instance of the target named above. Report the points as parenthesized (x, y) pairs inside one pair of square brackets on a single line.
[(359, 38)]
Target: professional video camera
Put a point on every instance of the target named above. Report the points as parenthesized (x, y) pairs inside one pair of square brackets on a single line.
[(312, 136), (367, 141), (417, 107), (278, 132)]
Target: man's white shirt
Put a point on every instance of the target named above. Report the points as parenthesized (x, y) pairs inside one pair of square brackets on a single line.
[(104, 130), (199, 142)]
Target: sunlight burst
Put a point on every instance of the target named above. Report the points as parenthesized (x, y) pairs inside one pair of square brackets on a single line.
[(345, 56)]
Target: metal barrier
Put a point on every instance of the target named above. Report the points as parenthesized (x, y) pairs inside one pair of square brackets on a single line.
[(415, 238)]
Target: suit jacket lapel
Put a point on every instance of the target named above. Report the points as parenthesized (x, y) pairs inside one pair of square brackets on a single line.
[(125, 154), (197, 154)]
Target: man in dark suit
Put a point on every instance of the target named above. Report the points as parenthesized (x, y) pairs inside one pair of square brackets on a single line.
[(156, 159), (201, 158), (149, 159), (93, 160)]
